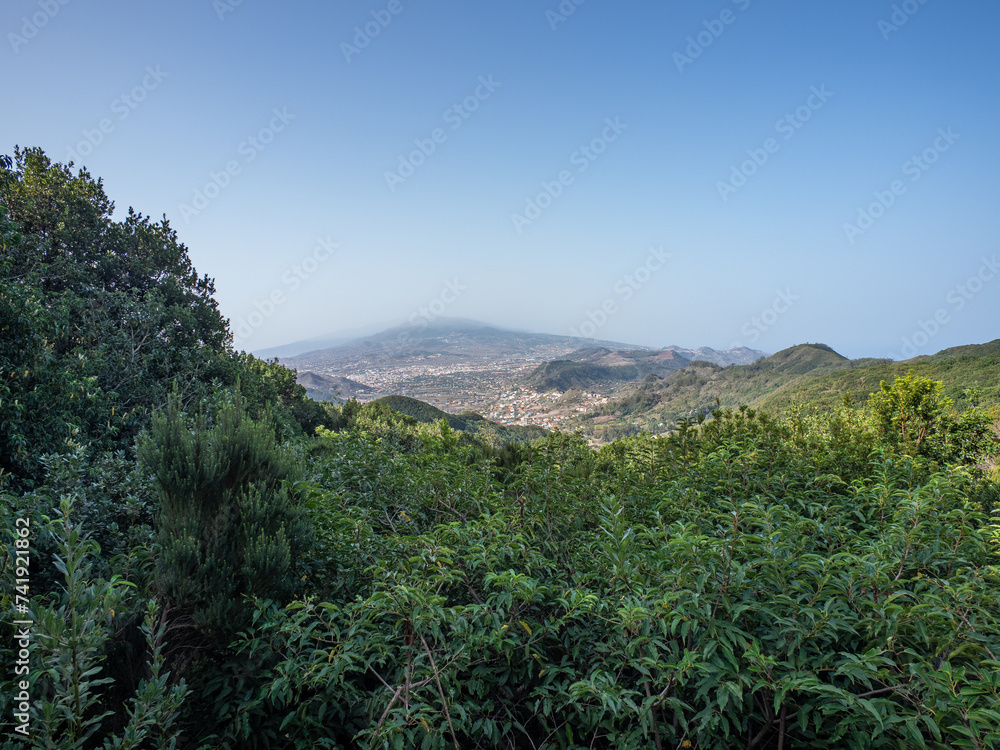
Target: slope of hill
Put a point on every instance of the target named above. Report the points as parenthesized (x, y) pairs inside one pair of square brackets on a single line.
[(963, 368), (604, 369), (466, 422), (989, 349), (330, 387), (329, 341), (811, 375), (601, 369), (561, 375), (658, 404)]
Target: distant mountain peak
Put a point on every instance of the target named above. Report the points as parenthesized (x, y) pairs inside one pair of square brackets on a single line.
[(739, 356), (808, 350)]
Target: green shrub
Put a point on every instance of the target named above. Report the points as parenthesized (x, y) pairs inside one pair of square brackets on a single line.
[(229, 522)]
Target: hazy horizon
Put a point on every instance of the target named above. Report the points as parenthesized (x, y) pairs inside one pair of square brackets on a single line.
[(349, 335), (718, 174), (367, 331)]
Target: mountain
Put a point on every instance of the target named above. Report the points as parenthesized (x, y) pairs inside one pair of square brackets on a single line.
[(330, 387), (445, 341), (798, 360), (601, 368), (739, 356), (466, 421), (695, 388), (812, 375), (466, 365)]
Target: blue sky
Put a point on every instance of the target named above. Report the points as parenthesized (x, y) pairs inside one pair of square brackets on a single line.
[(820, 172)]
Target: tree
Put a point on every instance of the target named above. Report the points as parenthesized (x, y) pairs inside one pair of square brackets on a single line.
[(71, 242), (911, 411), (64, 218), (99, 320), (230, 522), (45, 400), (265, 383)]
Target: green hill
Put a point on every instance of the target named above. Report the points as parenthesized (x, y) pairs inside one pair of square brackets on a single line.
[(602, 369), (799, 360), (962, 368), (696, 387), (811, 375), (561, 375), (468, 421)]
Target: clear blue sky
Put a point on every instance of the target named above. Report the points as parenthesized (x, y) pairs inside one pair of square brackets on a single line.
[(766, 262)]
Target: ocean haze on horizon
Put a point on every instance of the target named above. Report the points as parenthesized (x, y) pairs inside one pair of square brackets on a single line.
[(814, 173)]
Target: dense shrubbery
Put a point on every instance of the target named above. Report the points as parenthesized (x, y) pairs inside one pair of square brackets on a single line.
[(234, 565), (744, 583)]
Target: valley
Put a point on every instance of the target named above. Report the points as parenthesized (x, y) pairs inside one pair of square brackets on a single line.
[(509, 377), (494, 389), (607, 390)]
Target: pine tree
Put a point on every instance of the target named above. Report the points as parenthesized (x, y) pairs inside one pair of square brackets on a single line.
[(230, 525)]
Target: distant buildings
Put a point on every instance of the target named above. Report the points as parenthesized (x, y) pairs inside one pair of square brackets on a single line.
[(492, 390)]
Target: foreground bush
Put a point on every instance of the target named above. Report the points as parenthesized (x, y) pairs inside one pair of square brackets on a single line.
[(727, 592)]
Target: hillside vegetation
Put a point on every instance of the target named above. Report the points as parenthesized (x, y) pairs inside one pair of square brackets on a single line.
[(809, 375), (207, 558), (602, 368), (970, 375)]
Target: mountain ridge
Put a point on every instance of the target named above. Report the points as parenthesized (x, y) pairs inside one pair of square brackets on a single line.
[(445, 340), (464, 341), (811, 375)]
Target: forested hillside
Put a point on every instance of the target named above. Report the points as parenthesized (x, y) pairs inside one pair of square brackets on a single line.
[(214, 560), (970, 375), (811, 376)]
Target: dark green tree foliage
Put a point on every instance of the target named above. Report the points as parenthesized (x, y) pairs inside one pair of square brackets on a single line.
[(73, 244), (100, 319), (74, 635), (230, 523), (749, 582), (265, 384), (44, 399)]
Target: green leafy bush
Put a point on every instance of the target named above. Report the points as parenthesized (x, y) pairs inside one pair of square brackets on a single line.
[(734, 586), (73, 636)]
